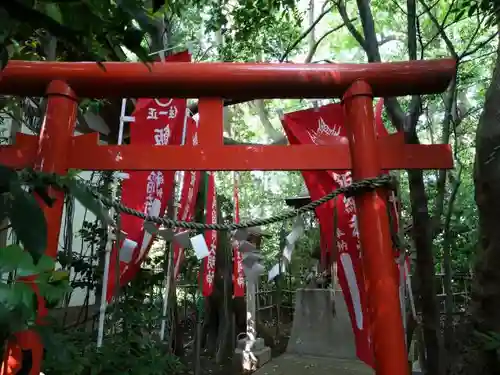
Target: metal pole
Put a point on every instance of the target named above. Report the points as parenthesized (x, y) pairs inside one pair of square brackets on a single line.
[(378, 259), (107, 260), (111, 238)]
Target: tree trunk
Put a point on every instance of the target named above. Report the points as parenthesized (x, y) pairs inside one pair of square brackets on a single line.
[(425, 272), (472, 356), (217, 327)]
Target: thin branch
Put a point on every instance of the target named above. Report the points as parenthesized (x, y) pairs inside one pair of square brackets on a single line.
[(479, 23), (416, 102), (420, 38), (349, 24), (441, 32), (387, 39), (371, 44), (411, 21), (228, 102), (478, 46), (396, 4), (312, 51), (297, 41)]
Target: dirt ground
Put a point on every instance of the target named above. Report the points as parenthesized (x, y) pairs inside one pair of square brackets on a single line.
[(305, 365), (207, 362)]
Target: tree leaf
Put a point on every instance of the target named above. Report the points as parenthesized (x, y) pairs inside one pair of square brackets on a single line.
[(472, 10), (5, 295), (28, 222), (57, 276), (13, 257), (53, 293), (53, 11), (157, 4), (24, 296), (459, 15), (87, 199), (7, 176), (45, 263)]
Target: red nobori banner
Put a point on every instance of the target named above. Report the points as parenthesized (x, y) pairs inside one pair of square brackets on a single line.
[(158, 122), (325, 126), (238, 277), (189, 192), (210, 235)]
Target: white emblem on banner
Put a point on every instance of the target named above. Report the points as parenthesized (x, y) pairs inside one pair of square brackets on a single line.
[(169, 101), (162, 136), (323, 129)]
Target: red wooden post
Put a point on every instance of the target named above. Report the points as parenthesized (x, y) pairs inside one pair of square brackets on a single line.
[(52, 156), (53, 151), (378, 258), (211, 122)]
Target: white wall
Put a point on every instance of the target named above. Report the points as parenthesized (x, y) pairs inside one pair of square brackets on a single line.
[(80, 214)]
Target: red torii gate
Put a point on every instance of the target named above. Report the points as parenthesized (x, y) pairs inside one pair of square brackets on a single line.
[(57, 150)]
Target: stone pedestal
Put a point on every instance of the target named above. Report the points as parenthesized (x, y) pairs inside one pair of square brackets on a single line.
[(250, 356), (321, 325)]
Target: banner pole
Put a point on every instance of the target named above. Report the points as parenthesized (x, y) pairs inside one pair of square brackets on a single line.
[(111, 236), (378, 259), (105, 277)]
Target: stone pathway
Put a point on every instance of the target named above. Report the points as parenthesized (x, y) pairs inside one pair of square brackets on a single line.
[(290, 364)]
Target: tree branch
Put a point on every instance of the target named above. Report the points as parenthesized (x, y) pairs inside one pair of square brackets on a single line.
[(416, 102), (350, 25), (314, 48), (304, 35), (274, 134), (370, 44), (440, 27), (478, 46), (228, 102)]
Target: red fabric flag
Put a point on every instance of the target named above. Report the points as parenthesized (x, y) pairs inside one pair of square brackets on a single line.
[(325, 126), (158, 122), (210, 236), (190, 187), (238, 277)]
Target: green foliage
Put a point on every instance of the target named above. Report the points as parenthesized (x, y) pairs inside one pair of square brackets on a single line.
[(21, 208), (75, 353), (131, 345), (88, 200), (489, 341), (88, 29), (18, 304)]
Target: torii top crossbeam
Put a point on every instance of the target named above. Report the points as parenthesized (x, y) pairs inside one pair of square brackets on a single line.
[(226, 80)]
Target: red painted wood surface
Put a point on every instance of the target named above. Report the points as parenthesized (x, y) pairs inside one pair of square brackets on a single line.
[(382, 284), (226, 80)]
